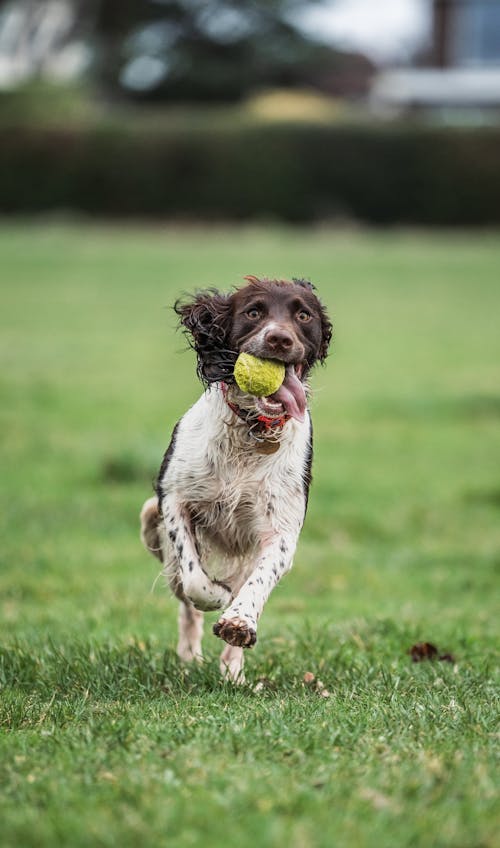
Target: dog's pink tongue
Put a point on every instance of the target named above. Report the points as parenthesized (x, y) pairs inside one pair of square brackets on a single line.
[(292, 395)]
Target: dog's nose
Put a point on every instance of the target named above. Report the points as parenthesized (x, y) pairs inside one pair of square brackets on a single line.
[(279, 341)]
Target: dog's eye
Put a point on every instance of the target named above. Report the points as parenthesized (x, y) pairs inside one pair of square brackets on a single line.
[(253, 313), (304, 316)]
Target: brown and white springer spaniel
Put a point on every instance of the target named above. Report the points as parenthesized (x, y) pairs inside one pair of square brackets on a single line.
[(232, 490)]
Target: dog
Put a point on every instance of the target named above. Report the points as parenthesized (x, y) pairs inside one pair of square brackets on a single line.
[(232, 490)]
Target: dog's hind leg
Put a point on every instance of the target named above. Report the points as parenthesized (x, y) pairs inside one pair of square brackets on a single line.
[(190, 619), (231, 664), (190, 632), (150, 533)]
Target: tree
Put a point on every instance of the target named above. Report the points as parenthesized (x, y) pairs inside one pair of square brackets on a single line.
[(211, 50)]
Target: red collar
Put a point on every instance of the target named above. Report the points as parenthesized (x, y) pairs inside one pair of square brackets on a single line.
[(265, 422)]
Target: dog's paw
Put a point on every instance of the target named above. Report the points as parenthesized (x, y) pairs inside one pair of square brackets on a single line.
[(235, 631), (209, 595)]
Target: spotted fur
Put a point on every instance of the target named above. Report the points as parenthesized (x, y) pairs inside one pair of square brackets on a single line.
[(228, 511)]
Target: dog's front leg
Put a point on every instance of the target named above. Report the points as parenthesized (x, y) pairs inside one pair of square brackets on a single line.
[(183, 568), (238, 624)]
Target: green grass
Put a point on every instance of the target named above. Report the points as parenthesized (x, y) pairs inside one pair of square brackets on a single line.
[(106, 739)]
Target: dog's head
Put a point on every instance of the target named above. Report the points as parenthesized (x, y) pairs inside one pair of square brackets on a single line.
[(272, 319)]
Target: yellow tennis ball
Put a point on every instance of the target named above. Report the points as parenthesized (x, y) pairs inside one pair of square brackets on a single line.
[(259, 377)]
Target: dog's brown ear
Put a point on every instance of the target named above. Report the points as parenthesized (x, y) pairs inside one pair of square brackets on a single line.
[(326, 333), (206, 319), (206, 316)]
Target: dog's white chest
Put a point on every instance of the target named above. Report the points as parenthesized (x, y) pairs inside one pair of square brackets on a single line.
[(232, 502), (235, 496)]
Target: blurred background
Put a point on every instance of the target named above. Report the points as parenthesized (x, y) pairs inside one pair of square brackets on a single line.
[(152, 147), (299, 111)]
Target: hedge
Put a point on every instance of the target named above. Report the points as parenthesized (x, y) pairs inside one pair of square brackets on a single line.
[(382, 174)]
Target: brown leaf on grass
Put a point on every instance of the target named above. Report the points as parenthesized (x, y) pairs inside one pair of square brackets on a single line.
[(423, 651), (427, 651), (310, 680), (447, 658)]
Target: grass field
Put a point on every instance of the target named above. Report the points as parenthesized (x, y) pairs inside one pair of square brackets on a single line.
[(106, 740)]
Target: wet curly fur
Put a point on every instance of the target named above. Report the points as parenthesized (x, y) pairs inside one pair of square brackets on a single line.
[(229, 505), (207, 321)]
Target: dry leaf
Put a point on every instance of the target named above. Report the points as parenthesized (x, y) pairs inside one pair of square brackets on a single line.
[(423, 651), (427, 651)]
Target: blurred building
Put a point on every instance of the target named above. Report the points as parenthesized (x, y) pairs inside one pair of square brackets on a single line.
[(466, 33), (458, 76)]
